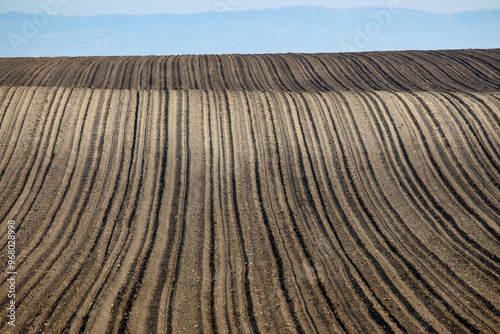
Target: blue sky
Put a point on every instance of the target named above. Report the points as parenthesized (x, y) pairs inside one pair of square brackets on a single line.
[(77, 27), (144, 7)]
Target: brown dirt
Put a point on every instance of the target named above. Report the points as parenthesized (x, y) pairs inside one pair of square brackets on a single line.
[(295, 193)]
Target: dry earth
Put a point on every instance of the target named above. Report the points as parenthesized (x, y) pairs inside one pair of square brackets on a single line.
[(293, 193)]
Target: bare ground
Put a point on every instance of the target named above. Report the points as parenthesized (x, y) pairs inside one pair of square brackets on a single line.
[(301, 193)]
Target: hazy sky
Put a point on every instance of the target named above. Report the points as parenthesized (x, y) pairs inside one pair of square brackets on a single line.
[(140, 7)]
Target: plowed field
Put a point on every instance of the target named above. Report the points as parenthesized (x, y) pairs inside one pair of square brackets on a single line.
[(293, 193)]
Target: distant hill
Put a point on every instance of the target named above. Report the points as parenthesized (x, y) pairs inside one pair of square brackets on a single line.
[(296, 29)]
